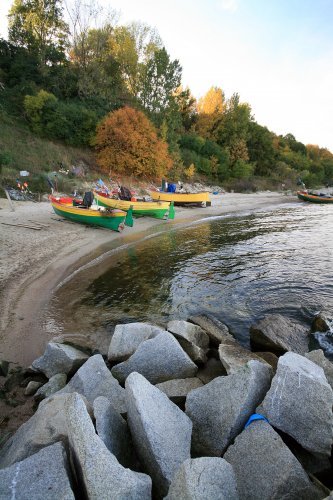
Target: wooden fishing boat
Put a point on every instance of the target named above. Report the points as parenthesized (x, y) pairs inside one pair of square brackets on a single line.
[(110, 219), (201, 198), (158, 210), (314, 197)]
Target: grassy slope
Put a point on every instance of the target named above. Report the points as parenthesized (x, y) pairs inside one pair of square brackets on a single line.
[(27, 151)]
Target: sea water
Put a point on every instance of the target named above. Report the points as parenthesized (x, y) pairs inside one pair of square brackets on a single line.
[(236, 268)]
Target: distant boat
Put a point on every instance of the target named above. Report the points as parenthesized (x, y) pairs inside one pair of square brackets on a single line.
[(314, 197), (158, 210), (201, 198), (110, 219)]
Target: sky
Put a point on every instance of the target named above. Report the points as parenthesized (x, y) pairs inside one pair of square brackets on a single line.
[(276, 54)]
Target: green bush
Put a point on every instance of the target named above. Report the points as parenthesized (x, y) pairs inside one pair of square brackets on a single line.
[(193, 142), (5, 159), (40, 110), (242, 170), (70, 122)]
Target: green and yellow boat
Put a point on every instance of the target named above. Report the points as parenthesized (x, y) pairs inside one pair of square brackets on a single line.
[(158, 209), (202, 198), (314, 197), (96, 216)]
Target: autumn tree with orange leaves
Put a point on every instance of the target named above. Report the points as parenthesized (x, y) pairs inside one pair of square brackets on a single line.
[(127, 144)]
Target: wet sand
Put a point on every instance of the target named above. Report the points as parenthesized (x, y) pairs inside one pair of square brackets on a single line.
[(34, 261)]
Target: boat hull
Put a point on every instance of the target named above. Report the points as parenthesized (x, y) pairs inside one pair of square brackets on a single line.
[(114, 220), (182, 198), (312, 198), (158, 210)]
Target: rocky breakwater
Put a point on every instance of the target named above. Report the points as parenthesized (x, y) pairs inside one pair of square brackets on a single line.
[(180, 413)]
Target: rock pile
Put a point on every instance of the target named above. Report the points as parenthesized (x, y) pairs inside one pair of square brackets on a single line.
[(182, 413)]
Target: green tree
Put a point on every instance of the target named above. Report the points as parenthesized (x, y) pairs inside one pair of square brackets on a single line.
[(99, 73), (160, 81), (242, 169), (233, 129), (236, 120), (38, 25), (133, 46), (294, 145), (260, 149), (186, 104)]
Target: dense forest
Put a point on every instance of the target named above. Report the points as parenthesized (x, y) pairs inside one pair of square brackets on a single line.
[(94, 83)]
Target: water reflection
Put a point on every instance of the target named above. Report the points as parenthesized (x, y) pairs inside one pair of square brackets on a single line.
[(235, 268)]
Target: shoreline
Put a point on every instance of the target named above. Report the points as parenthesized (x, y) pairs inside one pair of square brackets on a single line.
[(34, 262)]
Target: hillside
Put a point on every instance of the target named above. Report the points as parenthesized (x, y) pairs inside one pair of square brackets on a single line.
[(20, 149)]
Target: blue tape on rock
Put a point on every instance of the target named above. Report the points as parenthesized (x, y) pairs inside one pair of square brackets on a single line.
[(254, 417)]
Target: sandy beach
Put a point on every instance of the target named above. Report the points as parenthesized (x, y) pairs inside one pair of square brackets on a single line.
[(33, 260)]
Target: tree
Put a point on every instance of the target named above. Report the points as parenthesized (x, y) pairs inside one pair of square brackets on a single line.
[(242, 170), (133, 46), (160, 81), (210, 110), (233, 129), (260, 149), (38, 25), (187, 107), (238, 150), (294, 145), (212, 102), (98, 70), (127, 143)]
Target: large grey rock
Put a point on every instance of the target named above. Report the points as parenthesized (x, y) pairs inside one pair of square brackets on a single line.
[(280, 334), (299, 403), (220, 409), (212, 369), (127, 338), (177, 389), (98, 470), (233, 356), (319, 358), (190, 332), (55, 384), (59, 358), (197, 354), (94, 379), (161, 431), (47, 426), (217, 331), (43, 476), (158, 359), (265, 468), (203, 478), (114, 432)]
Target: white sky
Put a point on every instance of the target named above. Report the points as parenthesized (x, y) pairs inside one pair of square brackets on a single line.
[(277, 54)]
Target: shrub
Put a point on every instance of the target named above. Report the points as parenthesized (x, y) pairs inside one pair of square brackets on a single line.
[(70, 122), (127, 143)]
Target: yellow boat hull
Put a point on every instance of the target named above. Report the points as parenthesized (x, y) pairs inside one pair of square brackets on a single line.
[(182, 198), (156, 209)]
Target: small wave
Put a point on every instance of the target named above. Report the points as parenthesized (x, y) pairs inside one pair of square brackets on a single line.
[(325, 341)]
